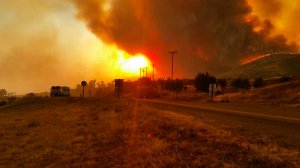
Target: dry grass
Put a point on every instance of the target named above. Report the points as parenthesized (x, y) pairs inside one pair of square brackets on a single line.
[(105, 133), (287, 94), (185, 96)]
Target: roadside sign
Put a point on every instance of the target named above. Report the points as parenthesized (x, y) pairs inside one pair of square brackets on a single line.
[(83, 84)]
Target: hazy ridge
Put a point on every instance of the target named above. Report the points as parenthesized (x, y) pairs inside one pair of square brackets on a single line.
[(272, 66)]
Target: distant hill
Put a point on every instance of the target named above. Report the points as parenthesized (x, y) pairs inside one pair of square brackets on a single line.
[(272, 66)]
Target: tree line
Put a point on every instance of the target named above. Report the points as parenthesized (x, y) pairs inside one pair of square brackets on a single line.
[(202, 80)]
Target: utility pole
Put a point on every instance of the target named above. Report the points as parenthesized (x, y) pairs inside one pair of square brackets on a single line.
[(146, 72), (153, 71), (172, 53), (143, 72), (140, 72)]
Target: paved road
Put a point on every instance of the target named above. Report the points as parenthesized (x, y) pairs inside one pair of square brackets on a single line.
[(280, 123)]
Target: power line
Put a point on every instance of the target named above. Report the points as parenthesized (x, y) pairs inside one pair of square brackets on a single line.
[(143, 72)]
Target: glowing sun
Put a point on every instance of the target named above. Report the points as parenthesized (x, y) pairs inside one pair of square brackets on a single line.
[(131, 64)]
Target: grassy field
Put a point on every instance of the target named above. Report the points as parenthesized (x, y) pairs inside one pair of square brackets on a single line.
[(283, 94), (67, 132), (280, 94)]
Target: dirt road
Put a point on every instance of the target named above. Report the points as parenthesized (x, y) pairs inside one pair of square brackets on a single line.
[(280, 123)]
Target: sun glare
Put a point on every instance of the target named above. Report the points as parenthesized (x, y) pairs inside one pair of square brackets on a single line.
[(130, 64)]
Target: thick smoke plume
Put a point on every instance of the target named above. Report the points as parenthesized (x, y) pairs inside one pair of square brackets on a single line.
[(209, 35)]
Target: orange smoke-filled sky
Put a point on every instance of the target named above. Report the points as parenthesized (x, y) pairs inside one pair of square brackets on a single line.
[(283, 14), (43, 43), (46, 43)]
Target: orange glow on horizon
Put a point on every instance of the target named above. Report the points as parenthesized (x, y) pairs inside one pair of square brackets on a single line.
[(129, 65)]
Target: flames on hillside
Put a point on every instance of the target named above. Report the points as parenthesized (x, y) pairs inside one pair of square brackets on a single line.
[(210, 35), (250, 59)]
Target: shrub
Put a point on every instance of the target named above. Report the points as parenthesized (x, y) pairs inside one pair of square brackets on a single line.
[(33, 123), (258, 82), (30, 95), (241, 83), (12, 99), (285, 78), (3, 92), (223, 84), (203, 80), (3, 103)]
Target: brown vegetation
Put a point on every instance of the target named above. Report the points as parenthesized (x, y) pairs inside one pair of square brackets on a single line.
[(67, 132), (287, 94)]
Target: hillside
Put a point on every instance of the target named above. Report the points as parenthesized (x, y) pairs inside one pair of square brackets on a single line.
[(284, 94), (271, 66)]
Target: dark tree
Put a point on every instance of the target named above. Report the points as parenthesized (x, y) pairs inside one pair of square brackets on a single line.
[(241, 83), (178, 85), (203, 80), (3, 93), (172, 85), (285, 78), (222, 83), (92, 84), (258, 82), (246, 84), (166, 84), (91, 88), (3, 103)]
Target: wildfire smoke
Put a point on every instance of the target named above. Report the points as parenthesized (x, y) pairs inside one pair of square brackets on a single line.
[(210, 35)]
